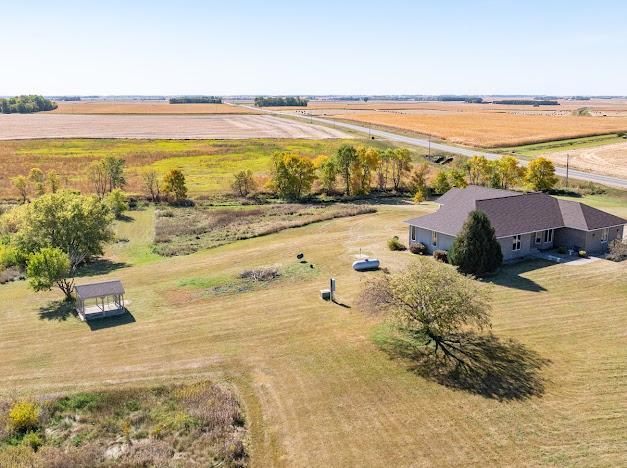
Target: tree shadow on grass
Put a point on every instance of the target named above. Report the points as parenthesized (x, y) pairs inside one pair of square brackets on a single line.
[(498, 369), (100, 266), (510, 275), (57, 310)]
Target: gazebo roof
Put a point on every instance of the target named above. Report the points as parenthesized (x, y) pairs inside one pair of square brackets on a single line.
[(105, 288)]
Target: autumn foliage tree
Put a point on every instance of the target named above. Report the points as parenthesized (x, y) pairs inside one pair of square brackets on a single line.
[(292, 175), (432, 306), (174, 185), (540, 175)]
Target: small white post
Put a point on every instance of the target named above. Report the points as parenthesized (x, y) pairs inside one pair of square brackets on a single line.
[(332, 287)]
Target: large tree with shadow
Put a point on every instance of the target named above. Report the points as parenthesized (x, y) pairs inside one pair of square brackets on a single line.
[(475, 250), (440, 322)]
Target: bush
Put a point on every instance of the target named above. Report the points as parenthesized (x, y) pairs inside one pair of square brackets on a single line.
[(11, 256), (24, 415), (395, 245), (418, 248), (561, 250), (618, 251), (440, 256), (583, 254), (116, 201), (32, 440)]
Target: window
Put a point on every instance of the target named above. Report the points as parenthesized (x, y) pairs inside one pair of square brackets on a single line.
[(538, 237), (604, 233), (548, 236), (516, 243), (434, 238), (413, 232)]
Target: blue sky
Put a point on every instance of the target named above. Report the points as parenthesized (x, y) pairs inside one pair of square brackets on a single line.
[(313, 47)]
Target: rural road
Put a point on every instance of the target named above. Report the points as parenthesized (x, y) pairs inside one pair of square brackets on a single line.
[(572, 173)]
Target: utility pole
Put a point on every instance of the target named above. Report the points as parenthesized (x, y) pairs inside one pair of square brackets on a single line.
[(567, 161)]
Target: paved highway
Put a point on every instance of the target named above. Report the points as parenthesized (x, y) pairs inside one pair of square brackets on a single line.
[(387, 135)]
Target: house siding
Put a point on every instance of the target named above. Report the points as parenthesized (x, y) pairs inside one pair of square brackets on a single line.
[(590, 241), (424, 236), (593, 239), (570, 238), (526, 242)]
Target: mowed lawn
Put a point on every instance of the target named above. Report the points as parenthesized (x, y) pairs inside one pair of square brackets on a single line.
[(316, 389)]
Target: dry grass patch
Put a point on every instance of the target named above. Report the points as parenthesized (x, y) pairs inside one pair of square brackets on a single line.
[(194, 424), (186, 230), (491, 130)]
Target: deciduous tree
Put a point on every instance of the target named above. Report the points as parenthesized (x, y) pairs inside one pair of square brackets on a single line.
[(540, 175), (48, 267), (78, 225), (508, 172), (21, 184), (344, 160), (152, 184), (174, 185), (116, 201), (441, 184), (54, 181), (292, 175), (243, 183), (432, 305), (400, 164), (37, 177)]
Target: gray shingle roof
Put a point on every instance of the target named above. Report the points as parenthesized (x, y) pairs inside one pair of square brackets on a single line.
[(512, 212), (105, 288)]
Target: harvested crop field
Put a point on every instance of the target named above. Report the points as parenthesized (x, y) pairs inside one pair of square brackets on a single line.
[(492, 130), (145, 107), (607, 159), (29, 126)]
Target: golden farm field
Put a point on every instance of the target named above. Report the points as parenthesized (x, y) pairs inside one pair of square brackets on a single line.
[(49, 125), (145, 107), (491, 129)]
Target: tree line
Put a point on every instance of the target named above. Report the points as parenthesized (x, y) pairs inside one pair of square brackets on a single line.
[(26, 104), (195, 100), (350, 171), (262, 101)]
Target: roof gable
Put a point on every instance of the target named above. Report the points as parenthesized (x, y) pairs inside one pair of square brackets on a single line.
[(512, 213), (523, 213), (105, 288)]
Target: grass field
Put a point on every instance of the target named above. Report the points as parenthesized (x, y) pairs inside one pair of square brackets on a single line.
[(315, 388), (208, 165), (491, 129), (145, 107)]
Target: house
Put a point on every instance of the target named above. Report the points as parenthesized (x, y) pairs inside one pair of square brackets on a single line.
[(524, 222), (99, 300)]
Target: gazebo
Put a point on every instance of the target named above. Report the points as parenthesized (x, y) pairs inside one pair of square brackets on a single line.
[(99, 300)]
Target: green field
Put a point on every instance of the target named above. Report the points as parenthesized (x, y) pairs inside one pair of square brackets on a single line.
[(208, 165), (315, 388), (531, 151)]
